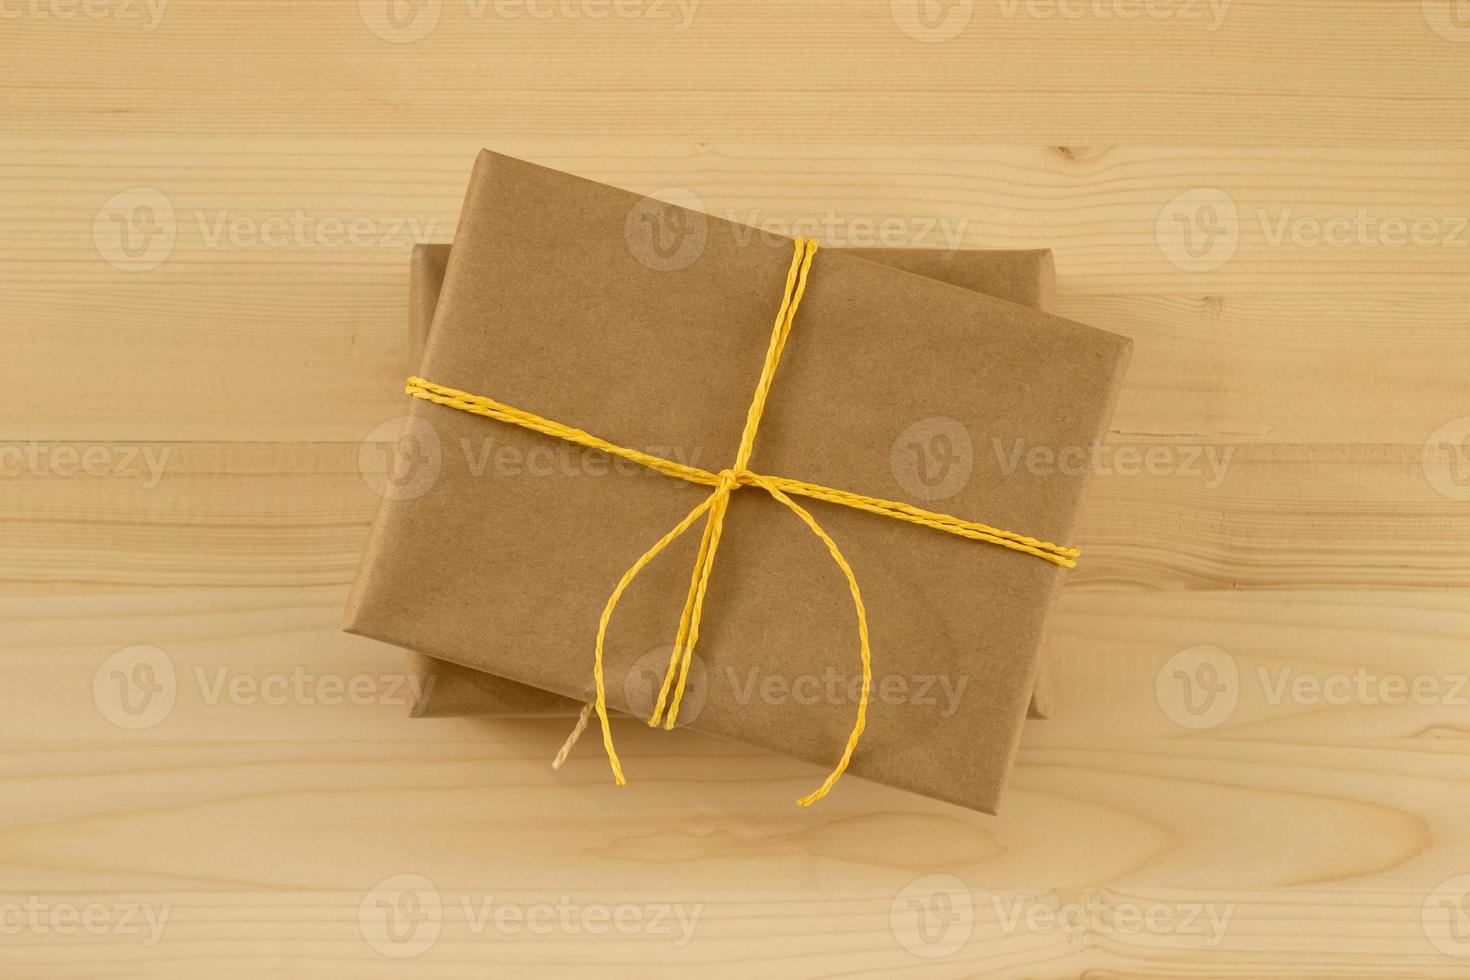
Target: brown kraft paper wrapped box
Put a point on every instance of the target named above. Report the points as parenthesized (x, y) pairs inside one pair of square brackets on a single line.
[(554, 302), (447, 689)]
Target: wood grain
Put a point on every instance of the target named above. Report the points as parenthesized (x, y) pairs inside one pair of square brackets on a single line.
[(1291, 72), (183, 451)]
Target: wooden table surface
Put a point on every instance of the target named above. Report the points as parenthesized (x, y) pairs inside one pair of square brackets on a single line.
[(1260, 760)]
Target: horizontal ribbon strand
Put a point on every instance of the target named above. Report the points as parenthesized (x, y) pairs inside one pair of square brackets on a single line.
[(489, 408)]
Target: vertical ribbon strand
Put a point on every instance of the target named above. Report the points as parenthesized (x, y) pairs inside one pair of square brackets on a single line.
[(713, 509), (795, 288)]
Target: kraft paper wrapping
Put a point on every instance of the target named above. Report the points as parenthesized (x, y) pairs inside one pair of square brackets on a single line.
[(446, 689), (646, 324)]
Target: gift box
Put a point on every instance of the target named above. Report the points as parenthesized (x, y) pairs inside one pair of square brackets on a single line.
[(585, 327), (446, 689)]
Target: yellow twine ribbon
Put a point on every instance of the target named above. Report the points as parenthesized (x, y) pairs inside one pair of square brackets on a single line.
[(713, 509)]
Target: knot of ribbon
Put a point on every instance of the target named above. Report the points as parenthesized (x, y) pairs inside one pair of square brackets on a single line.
[(713, 509)]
